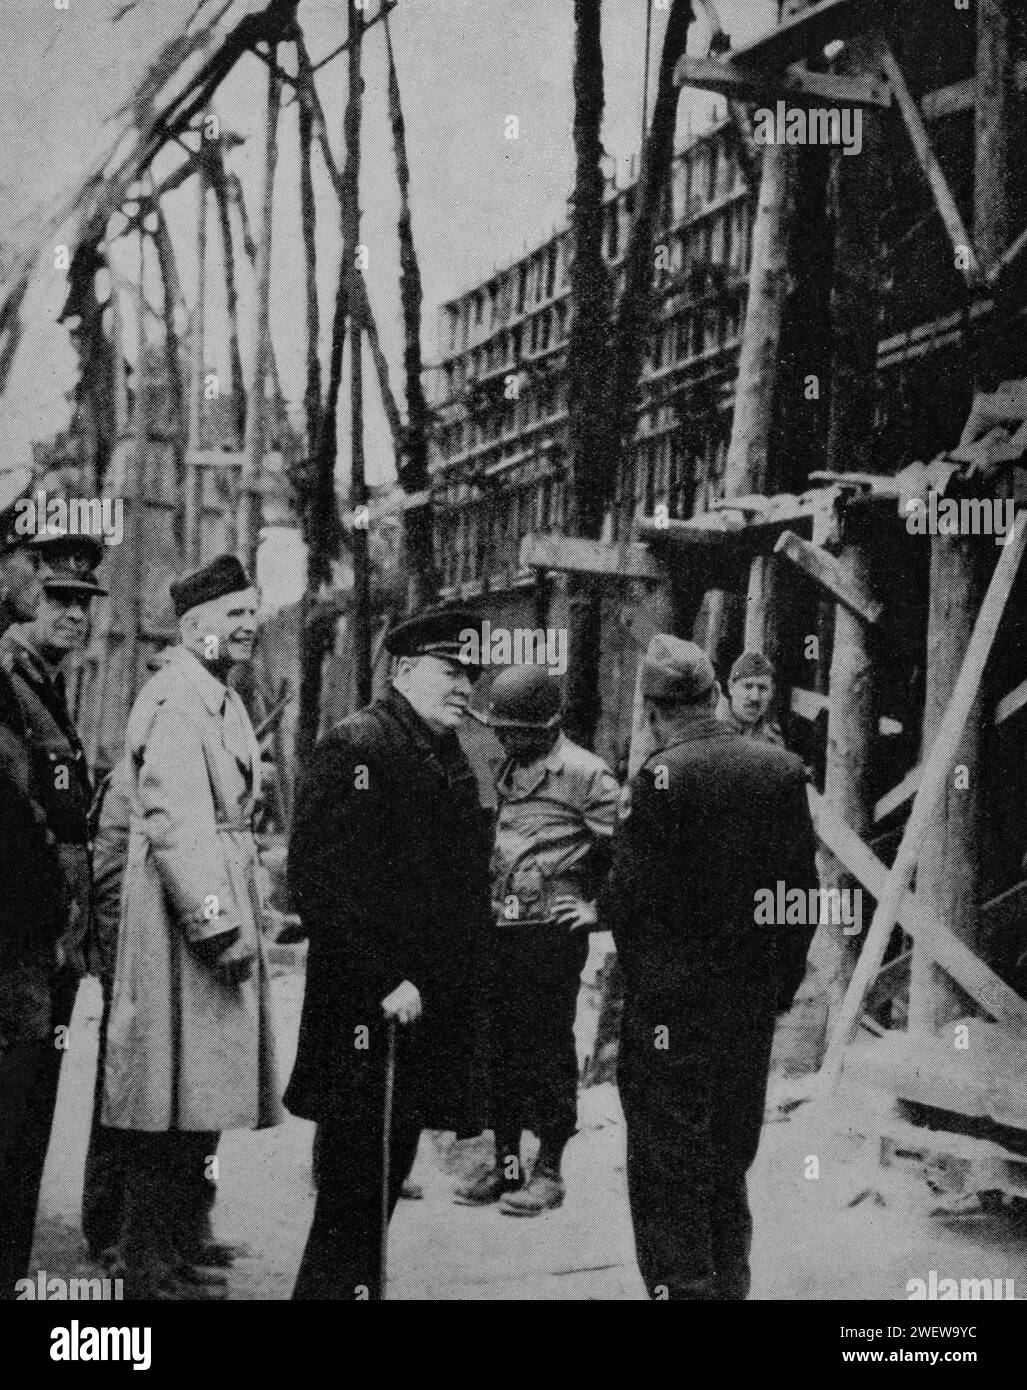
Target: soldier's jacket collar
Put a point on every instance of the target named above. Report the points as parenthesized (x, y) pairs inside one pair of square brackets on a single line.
[(533, 774), (441, 752), (707, 727)]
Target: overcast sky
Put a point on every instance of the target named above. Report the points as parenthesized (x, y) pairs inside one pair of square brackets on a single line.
[(479, 199)]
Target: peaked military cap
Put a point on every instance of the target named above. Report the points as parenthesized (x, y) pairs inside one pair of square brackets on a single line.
[(55, 543), (68, 567), (673, 669), (224, 575), (437, 632)]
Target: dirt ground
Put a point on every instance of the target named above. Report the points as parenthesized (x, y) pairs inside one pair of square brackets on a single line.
[(852, 1232)]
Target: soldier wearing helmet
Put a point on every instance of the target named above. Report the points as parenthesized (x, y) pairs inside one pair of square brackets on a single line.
[(557, 810)]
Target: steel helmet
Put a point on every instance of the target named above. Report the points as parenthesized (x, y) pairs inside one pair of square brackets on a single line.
[(524, 697)]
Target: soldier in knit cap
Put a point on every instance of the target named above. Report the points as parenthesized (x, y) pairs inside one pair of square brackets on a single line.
[(715, 818)]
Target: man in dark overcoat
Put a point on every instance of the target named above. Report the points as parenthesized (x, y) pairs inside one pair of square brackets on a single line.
[(715, 819), (388, 867)]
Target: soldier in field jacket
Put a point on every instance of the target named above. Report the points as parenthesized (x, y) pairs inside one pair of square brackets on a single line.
[(388, 867)]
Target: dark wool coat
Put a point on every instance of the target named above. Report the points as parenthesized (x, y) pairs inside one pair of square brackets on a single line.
[(388, 868), (714, 819)]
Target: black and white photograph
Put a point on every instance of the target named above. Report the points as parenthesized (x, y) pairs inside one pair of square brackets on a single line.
[(513, 666)]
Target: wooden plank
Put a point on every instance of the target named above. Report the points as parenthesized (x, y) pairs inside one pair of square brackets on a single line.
[(968, 970), (808, 704), (749, 84), (1011, 704), (1008, 910), (958, 97), (392, 505), (932, 170), (891, 801), (734, 521), (830, 574), (937, 766), (806, 34), (573, 555)]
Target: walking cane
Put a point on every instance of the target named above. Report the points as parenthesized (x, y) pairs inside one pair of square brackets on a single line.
[(390, 1083)]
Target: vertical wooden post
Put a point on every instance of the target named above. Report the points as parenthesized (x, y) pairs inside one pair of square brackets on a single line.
[(138, 489), (853, 687), (755, 384), (362, 666), (948, 875), (193, 472), (248, 525)]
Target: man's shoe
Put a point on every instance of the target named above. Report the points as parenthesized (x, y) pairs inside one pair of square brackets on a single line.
[(485, 1189), (544, 1192)]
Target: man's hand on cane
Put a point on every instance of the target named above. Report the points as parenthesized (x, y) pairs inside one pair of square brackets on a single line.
[(403, 1004)]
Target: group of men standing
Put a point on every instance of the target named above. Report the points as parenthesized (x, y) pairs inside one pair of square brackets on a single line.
[(446, 942)]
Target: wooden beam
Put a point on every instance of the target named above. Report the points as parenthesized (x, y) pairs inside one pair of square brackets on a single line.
[(958, 97), (937, 767), (393, 505), (1011, 704), (898, 796), (808, 704), (968, 970), (573, 555), (808, 32), (831, 575), (733, 522), (748, 84), (1007, 911), (932, 170)]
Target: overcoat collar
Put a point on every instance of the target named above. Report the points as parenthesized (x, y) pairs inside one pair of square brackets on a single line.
[(441, 752), (217, 698), (707, 727)]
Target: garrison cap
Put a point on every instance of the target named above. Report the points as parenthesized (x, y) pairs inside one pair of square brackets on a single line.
[(68, 567), (224, 575), (14, 483), (673, 669), (437, 632), (751, 664)]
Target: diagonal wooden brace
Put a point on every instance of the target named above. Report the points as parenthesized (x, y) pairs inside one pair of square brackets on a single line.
[(831, 574), (936, 768), (968, 970)]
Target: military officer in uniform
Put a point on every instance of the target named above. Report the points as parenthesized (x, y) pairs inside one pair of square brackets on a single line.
[(716, 818), (750, 693), (557, 811), (47, 883), (388, 868)]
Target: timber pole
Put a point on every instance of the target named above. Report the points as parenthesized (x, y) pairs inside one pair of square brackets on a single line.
[(362, 666), (248, 524), (949, 873), (135, 598), (755, 389), (853, 683), (193, 472)]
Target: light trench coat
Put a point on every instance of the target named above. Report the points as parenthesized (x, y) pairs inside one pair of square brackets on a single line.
[(185, 1051)]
